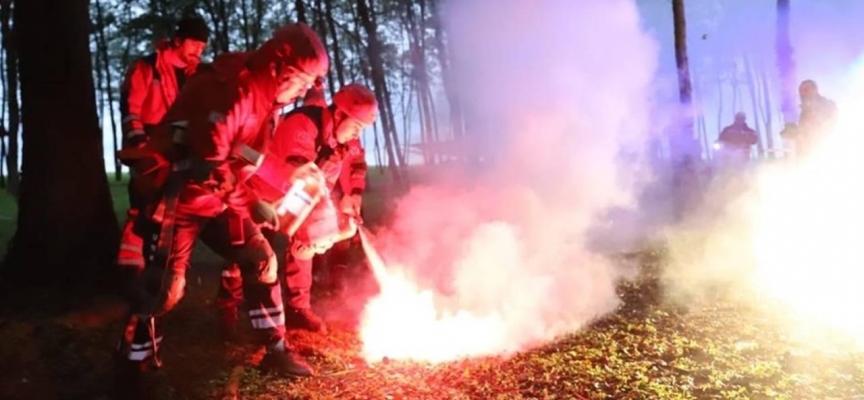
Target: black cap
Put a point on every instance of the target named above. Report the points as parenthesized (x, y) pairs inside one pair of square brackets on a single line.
[(192, 28)]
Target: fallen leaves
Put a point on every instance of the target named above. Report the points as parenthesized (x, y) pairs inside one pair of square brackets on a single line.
[(648, 349)]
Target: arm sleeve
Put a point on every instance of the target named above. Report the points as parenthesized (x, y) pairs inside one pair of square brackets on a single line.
[(724, 135), (353, 176), (133, 92), (752, 137)]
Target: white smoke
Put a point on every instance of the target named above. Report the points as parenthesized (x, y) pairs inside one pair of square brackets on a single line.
[(557, 92)]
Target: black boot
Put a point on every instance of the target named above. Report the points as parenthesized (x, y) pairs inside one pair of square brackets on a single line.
[(285, 362), (305, 318)]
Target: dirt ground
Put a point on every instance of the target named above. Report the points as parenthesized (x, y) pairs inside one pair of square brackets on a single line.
[(647, 349)]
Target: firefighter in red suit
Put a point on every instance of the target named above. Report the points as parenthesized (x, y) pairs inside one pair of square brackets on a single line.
[(328, 136), (210, 141), (148, 90)]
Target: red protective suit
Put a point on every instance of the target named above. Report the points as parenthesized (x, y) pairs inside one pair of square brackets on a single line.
[(224, 110), (148, 90), (305, 134)]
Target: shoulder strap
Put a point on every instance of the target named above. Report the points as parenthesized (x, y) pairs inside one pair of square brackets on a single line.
[(151, 61)]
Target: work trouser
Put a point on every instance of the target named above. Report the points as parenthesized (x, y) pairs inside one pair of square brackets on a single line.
[(162, 278), (130, 256), (296, 275)]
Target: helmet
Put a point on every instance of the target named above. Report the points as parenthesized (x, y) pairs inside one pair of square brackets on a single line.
[(294, 45), (358, 102)]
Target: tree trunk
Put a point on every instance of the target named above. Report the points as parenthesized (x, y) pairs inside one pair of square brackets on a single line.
[(701, 132), (3, 134), (457, 120), (218, 11), (766, 97), (337, 53), (102, 44), (9, 43), (733, 82), (244, 24), (751, 85), (785, 63), (300, 8), (417, 81), (67, 231), (685, 89), (719, 103), (379, 80), (100, 98), (684, 148), (256, 27), (321, 28)]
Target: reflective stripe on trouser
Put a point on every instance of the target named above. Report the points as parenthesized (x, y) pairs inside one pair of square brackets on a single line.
[(253, 255), (147, 288), (231, 288), (241, 279), (263, 301), (298, 282), (141, 339), (265, 307), (130, 253)]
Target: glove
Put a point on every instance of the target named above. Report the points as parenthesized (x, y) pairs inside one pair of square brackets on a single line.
[(347, 227), (350, 205), (217, 178), (264, 214), (302, 250)]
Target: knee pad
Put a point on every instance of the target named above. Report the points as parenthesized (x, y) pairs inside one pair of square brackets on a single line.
[(257, 258)]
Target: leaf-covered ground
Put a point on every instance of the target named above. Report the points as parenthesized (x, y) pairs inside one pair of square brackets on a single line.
[(648, 349)]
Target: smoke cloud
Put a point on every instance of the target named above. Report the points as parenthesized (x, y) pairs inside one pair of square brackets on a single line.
[(497, 256)]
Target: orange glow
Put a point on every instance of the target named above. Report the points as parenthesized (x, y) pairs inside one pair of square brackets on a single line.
[(808, 224), (408, 325)]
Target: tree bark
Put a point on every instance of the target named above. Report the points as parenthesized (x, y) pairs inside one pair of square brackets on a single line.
[(67, 231), (256, 27), (321, 28), (379, 79), (337, 53), (785, 63), (102, 44), (766, 99), (457, 120), (751, 85), (300, 8), (9, 43), (685, 88), (244, 24), (719, 103), (3, 133), (684, 148), (218, 11)]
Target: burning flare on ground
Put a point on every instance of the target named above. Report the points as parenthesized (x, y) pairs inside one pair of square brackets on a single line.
[(494, 256), (420, 331)]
